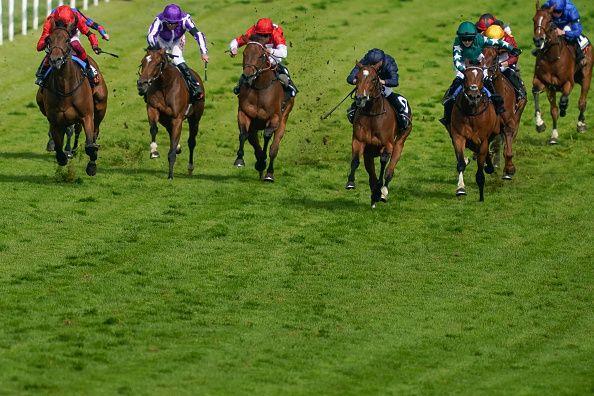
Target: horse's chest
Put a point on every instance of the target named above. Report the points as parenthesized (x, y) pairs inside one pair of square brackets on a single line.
[(254, 111)]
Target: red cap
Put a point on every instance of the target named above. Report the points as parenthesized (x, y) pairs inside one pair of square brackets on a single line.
[(484, 22), (64, 14), (264, 26)]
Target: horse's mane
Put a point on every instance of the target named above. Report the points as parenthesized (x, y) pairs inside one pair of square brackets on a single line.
[(259, 38)]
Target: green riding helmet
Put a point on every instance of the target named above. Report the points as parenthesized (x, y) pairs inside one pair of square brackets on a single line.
[(467, 30)]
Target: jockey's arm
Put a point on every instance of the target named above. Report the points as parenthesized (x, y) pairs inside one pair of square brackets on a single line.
[(92, 24), (153, 31), (279, 53), (351, 79), (47, 25), (499, 44), (457, 56), (190, 26), (84, 29), (392, 71), (573, 31)]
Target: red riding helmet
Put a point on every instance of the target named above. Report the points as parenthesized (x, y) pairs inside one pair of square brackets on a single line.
[(484, 22), (65, 15), (264, 26)]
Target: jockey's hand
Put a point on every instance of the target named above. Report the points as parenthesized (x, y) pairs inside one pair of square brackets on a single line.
[(505, 64), (105, 36), (233, 52), (97, 50), (516, 52), (204, 57), (383, 82), (560, 32)]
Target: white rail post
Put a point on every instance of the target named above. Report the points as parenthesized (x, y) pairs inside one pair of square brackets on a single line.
[(72, 3), (49, 7), (1, 25), (95, 2), (10, 20), (85, 4), (60, 2), (35, 14), (24, 17)]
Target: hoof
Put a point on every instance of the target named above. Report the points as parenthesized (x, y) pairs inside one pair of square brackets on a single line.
[(269, 178), (384, 194), (541, 128), (466, 160), (460, 192), (581, 127), (69, 154), (350, 185), (190, 169), (62, 159), (91, 169), (553, 141), (154, 155), (373, 206), (50, 146), (239, 163), (507, 176), (563, 112), (489, 169), (178, 150)]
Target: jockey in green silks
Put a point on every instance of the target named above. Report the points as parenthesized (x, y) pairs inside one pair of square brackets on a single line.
[(469, 45)]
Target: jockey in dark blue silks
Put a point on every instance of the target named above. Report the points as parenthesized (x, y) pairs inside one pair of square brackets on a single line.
[(388, 75), (567, 19)]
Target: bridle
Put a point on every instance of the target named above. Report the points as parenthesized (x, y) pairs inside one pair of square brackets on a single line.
[(471, 101), (370, 99), (66, 52), (547, 30), (164, 61), (258, 71)]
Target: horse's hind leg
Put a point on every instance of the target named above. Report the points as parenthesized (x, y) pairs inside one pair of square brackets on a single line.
[(90, 145), (581, 125), (243, 124), (194, 125), (174, 137), (396, 153), (552, 95), (370, 167), (356, 152), (379, 188), (537, 88), (153, 118)]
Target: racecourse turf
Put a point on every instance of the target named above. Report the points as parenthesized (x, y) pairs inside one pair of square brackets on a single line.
[(127, 283)]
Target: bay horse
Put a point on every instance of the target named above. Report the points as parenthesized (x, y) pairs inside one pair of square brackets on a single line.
[(67, 99), (510, 119), (168, 103), (262, 106), (556, 71), (375, 133), (474, 125)]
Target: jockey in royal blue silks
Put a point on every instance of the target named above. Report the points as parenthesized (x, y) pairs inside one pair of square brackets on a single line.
[(567, 19), (388, 75)]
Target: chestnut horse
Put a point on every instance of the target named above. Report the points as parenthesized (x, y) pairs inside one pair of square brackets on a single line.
[(510, 119), (474, 125), (375, 133), (67, 99), (556, 71), (262, 106), (168, 103)]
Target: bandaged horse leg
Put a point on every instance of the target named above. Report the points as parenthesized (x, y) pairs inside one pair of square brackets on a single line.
[(357, 149)]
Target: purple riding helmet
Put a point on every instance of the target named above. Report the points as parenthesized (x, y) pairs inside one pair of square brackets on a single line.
[(173, 14)]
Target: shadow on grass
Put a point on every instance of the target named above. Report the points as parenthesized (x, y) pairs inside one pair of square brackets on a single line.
[(41, 155), (336, 204), (178, 174), (35, 179)]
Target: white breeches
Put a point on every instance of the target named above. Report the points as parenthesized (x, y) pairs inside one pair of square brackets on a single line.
[(386, 91), (175, 48)]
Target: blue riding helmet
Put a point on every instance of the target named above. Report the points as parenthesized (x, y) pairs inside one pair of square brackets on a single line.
[(374, 56), (558, 5)]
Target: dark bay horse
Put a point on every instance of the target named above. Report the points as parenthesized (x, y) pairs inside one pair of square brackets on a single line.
[(556, 71), (474, 125), (375, 133), (262, 106), (67, 99), (510, 119), (168, 103)]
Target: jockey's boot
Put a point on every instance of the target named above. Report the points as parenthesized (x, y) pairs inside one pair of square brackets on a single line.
[(285, 79), (448, 101), (40, 73), (496, 99), (401, 112), (514, 78), (237, 88), (350, 113), (194, 87), (580, 58), (90, 73)]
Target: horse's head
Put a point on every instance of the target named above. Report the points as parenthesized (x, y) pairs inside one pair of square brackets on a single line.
[(255, 59), (150, 69), (544, 28), (368, 84), (473, 82), (58, 43), (491, 59)]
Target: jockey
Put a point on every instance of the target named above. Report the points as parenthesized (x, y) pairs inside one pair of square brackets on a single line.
[(469, 45), (388, 75), (567, 19), (486, 20), (168, 31), (507, 61), (276, 47), (64, 16)]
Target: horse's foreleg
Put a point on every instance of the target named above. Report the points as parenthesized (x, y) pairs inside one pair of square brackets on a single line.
[(537, 88), (381, 192), (564, 101), (90, 145), (69, 133), (174, 137), (57, 134), (77, 130), (581, 125), (510, 169), (552, 96), (356, 152), (396, 153), (153, 119), (260, 166), (243, 124), (194, 125), (480, 175), (51, 145), (459, 143), (370, 167), (279, 132)]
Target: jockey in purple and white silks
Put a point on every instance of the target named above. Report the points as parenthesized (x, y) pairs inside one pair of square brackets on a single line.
[(168, 31)]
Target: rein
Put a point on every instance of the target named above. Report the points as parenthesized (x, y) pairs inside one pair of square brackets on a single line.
[(372, 100), (151, 80), (258, 70)]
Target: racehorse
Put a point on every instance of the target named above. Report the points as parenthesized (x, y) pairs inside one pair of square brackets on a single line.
[(510, 119), (67, 99), (100, 103), (168, 103), (556, 71), (262, 106), (474, 125), (375, 133)]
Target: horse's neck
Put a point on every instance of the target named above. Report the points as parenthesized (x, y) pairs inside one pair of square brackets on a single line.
[(66, 77), (470, 108), (169, 75), (555, 49), (264, 79), (377, 105)]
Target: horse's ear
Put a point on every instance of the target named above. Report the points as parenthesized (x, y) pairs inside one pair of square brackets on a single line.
[(53, 24), (537, 5), (359, 65), (71, 26)]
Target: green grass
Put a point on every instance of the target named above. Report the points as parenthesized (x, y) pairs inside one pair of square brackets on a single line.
[(129, 284)]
